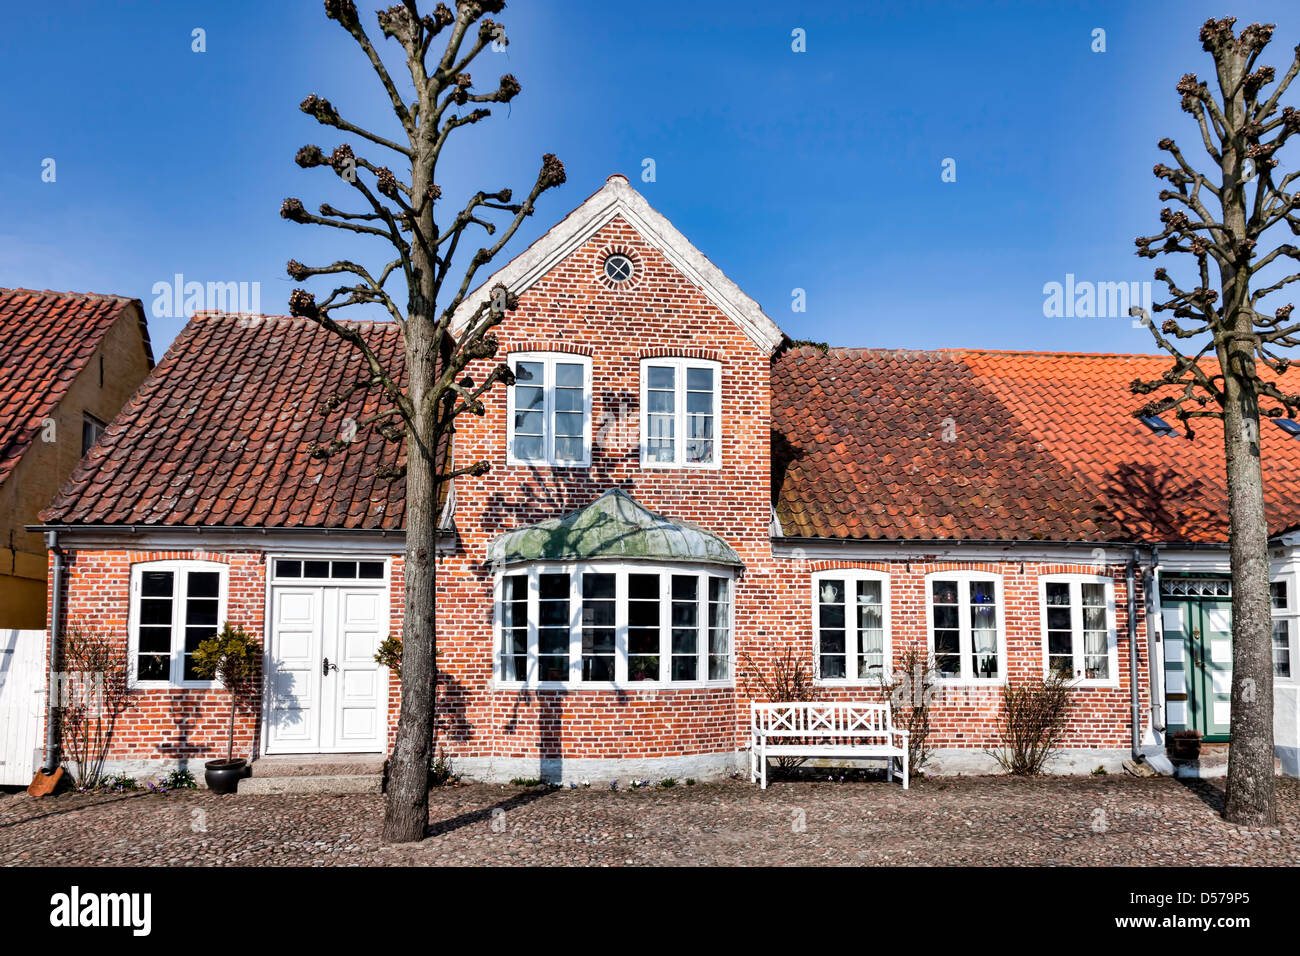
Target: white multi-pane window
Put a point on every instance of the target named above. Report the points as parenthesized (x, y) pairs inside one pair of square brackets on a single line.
[(608, 623), (680, 411), (175, 605), (851, 625), (965, 617), (549, 415), (1079, 634), (1284, 627)]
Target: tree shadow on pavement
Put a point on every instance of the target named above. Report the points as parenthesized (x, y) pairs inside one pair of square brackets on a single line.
[(1208, 793), (442, 827)]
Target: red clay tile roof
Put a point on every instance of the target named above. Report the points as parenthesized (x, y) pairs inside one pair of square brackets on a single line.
[(1043, 447), (219, 435), (46, 339)]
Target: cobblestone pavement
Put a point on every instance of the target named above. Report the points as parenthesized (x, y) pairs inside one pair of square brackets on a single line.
[(951, 820)]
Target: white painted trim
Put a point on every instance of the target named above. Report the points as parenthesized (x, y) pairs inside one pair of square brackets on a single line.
[(964, 625), (680, 366), (549, 360), (851, 576), (257, 540), (621, 569), (180, 570), (1076, 625), (618, 198)]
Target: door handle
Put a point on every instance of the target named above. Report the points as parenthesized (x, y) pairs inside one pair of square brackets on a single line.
[(325, 667)]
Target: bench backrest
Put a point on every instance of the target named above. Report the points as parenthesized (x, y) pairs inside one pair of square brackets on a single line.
[(821, 719)]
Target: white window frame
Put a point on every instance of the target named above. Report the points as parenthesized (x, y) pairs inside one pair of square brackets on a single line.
[(680, 365), (1291, 615), (850, 577), (180, 579), (621, 570), (1076, 581), (963, 579), (549, 360)]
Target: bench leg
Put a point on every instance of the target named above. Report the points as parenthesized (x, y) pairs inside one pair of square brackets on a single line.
[(762, 763), (905, 770), (753, 760)]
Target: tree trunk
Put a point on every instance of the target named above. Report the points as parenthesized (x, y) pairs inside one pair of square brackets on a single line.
[(1250, 798), (407, 811)]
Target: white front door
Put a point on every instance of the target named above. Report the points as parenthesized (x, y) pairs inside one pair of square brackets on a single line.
[(325, 692)]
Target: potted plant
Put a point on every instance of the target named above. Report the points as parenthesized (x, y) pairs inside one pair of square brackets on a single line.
[(1185, 744), (231, 657)]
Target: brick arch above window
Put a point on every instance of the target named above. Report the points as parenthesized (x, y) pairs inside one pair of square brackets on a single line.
[(547, 345), (669, 351)]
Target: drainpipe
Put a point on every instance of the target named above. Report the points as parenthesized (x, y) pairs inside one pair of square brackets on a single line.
[(52, 689), (1130, 581), (1155, 635)]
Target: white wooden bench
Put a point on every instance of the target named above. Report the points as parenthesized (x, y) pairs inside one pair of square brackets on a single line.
[(824, 730)]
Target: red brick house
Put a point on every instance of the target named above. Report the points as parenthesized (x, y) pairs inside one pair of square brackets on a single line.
[(677, 496)]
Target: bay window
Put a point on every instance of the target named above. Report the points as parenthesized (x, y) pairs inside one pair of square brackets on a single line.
[(1079, 633), (1284, 625), (175, 605), (680, 409), (607, 623), (966, 636), (549, 414), (850, 625)]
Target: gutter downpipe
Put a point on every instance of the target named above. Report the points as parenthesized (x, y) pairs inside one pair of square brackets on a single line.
[(1155, 637), (52, 696), (1130, 580)]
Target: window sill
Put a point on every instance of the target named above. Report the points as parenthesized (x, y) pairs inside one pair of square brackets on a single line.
[(970, 681), (661, 466), (168, 685), (608, 686), (512, 462), (874, 682)]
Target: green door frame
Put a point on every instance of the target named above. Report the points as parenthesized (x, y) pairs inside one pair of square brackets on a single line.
[(1204, 628)]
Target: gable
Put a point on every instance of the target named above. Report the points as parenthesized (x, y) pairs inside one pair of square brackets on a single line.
[(46, 340), (617, 199)]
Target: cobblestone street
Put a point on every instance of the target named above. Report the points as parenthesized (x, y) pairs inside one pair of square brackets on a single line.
[(1075, 821)]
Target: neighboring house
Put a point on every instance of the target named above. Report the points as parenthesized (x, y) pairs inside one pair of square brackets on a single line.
[(677, 499), (68, 363)]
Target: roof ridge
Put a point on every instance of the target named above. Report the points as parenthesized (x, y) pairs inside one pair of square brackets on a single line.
[(849, 351), (84, 295), (292, 319)]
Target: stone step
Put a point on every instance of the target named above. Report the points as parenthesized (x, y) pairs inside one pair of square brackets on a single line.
[(312, 783), (318, 765)]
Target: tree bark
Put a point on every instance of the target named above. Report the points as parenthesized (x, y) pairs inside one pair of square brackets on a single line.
[(407, 812), (1250, 796)]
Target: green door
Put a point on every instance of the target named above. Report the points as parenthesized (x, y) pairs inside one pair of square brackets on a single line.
[(1197, 615)]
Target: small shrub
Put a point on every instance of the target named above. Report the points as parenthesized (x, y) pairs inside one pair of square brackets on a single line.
[(790, 682), (525, 782), (690, 781), (668, 782), (390, 652), (910, 689), (233, 657), (441, 771), (178, 780), (1099, 772), (117, 783), (1033, 722)]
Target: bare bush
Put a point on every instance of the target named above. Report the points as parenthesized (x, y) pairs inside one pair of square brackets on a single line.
[(92, 695), (1032, 723)]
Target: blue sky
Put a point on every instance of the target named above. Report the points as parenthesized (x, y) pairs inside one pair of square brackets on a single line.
[(818, 170)]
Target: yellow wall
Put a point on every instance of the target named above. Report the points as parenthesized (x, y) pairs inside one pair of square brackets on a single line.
[(46, 465)]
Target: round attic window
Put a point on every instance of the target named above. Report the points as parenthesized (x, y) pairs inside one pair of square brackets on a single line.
[(618, 268)]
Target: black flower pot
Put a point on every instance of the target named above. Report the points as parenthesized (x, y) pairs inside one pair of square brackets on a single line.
[(223, 776)]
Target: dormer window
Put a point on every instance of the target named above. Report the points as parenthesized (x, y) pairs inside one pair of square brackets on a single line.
[(680, 404), (549, 418)]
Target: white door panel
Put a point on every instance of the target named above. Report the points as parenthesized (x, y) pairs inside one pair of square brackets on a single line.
[(315, 707)]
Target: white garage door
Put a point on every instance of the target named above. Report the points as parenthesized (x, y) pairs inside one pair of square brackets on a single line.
[(325, 692)]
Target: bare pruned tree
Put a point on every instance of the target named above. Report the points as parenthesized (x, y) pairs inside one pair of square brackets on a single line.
[(398, 207), (1227, 350)]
